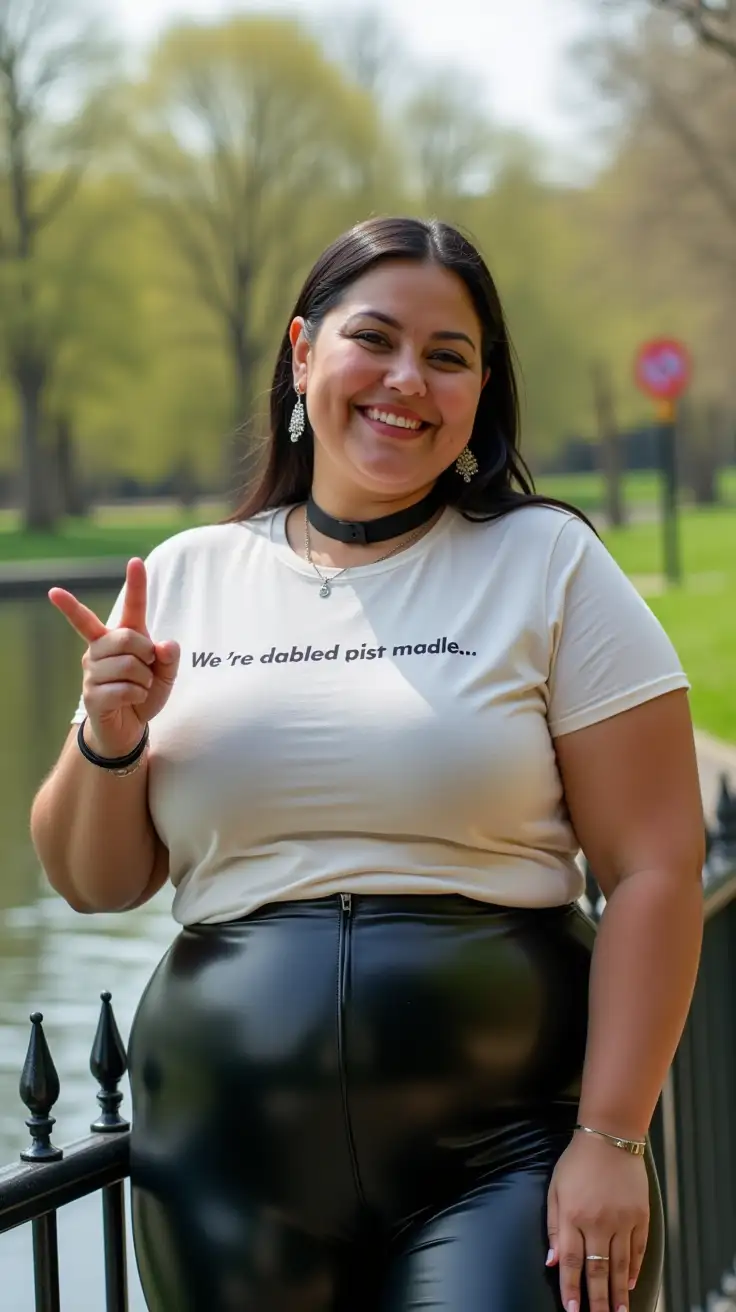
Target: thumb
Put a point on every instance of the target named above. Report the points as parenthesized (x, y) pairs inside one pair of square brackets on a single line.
[(552, 1226), (168, 655)]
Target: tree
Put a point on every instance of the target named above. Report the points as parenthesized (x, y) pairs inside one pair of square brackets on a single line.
[(667, 200), (92, 322), (712, 21), (532, 243), (368, 48), (53, 65), (658, 226), (251, 142), (450, 145)]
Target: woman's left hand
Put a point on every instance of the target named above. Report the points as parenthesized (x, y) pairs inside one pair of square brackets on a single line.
[(598, 1208)]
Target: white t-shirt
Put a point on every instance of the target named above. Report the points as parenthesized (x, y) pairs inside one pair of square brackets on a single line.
[(397, 736)]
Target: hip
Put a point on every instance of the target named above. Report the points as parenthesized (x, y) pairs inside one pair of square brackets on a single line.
[(494, 998)]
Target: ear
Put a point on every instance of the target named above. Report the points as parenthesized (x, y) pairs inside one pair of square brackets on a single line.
[(486, 376), (300, 351)]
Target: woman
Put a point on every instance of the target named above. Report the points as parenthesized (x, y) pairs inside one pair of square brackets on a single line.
[(409, 692)]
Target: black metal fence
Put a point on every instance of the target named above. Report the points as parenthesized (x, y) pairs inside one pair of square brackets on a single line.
[(50, 1177), (694, 1128), (693, 1134)]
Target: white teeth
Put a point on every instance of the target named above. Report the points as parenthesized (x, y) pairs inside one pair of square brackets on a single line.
[(398, 421)]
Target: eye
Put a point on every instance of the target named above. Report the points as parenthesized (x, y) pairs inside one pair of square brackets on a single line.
[(449, 357), (371, 337)]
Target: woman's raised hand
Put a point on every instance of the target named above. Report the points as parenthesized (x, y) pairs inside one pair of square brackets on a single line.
[(127, 677)]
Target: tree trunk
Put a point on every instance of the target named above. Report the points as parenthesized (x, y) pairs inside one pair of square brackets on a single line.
[(71, 498), (701, 431), (240, 444), (609, 445), (36, 505), (184, 482)]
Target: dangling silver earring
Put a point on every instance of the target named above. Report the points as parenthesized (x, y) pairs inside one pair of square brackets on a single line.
[(466, 464), (298, 421)]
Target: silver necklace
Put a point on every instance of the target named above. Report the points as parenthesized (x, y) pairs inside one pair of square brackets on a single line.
[(326, 582)]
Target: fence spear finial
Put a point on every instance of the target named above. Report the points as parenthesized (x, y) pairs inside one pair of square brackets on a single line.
[(108, 1063), (39, 1090)]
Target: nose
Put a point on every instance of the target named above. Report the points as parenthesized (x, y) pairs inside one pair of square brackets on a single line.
[(405, 374)]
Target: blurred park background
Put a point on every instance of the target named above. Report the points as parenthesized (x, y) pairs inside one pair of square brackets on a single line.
[(168, 173)]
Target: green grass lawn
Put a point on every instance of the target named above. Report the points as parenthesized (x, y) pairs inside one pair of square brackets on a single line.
[(640, 488), (132, 532), (700, 616)]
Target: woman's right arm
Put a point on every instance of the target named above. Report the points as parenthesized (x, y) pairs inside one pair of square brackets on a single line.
[(94, 835), (92, 830)]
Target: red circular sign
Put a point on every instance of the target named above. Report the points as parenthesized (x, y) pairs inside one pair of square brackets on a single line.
[(663, 368)]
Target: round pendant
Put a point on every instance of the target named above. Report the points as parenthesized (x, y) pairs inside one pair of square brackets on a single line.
[(325, 589)]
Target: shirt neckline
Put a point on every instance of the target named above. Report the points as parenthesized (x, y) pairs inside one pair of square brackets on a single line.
[(289, 557)]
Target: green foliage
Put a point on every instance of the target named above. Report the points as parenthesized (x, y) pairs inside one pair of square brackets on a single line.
[(163, 286), (251, 143)]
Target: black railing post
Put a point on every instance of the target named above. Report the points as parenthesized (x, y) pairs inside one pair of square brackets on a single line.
[(39, 1090), (108, 1063), (722, 842)]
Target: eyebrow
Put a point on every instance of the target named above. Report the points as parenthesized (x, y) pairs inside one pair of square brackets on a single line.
[(445, 335)]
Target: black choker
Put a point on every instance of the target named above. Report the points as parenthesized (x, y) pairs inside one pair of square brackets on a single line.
[(374, 530)]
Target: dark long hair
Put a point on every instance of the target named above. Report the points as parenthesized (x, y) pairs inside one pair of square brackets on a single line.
[(503, 482)]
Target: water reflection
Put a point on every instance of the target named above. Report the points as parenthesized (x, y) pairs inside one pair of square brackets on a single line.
[(52, 959)]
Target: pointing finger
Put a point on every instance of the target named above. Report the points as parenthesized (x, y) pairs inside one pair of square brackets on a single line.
[(135, 598), (82, 619)]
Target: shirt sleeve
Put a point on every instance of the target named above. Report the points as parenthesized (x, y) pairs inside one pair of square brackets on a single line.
[(113, 619), (608, 651)]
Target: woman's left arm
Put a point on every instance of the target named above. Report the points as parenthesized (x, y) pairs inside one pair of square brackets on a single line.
[(632, 789)]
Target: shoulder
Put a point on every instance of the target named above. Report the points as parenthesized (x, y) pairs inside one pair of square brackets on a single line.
[(207, 544), (533, 533)]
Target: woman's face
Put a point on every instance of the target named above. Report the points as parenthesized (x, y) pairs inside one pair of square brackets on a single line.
[(392, 381)]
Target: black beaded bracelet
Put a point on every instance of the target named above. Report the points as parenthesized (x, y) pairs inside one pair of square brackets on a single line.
[(111, 762)]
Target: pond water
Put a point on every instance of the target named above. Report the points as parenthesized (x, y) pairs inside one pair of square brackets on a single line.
[(51, 959)]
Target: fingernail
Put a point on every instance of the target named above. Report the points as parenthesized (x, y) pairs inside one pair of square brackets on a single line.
[(572, 1306), (550, 1257), (632, 1285)]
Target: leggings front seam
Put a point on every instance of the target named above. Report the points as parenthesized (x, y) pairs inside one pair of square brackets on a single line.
[(343, 967)]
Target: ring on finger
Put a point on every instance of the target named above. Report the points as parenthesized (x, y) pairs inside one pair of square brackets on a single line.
[(596, 1257)]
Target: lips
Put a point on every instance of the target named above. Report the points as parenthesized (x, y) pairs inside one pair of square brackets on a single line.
[(393, 421)]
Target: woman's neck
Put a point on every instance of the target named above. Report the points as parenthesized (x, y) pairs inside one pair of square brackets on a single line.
[(358, 505), (333, 554), (353, 504)]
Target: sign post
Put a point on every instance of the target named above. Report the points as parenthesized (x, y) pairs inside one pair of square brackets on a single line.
[(663, 370)]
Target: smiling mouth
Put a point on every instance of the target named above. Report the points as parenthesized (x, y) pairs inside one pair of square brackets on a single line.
[(387, 418)]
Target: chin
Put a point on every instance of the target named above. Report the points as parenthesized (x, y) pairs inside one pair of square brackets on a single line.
[(391, 475), (391, 483)]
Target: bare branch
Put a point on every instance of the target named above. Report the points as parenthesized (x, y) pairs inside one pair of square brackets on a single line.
[(64, 191), (713, 25), (195, 252), (698, 148)]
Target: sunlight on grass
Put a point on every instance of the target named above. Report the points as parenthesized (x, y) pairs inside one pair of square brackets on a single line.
[(700, 616), (641, 488)]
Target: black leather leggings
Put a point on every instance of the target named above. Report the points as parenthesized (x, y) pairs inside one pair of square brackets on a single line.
[(355, 1104)]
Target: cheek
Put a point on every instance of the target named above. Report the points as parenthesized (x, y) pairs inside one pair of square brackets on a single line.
[(343, 375), (458, 403)]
